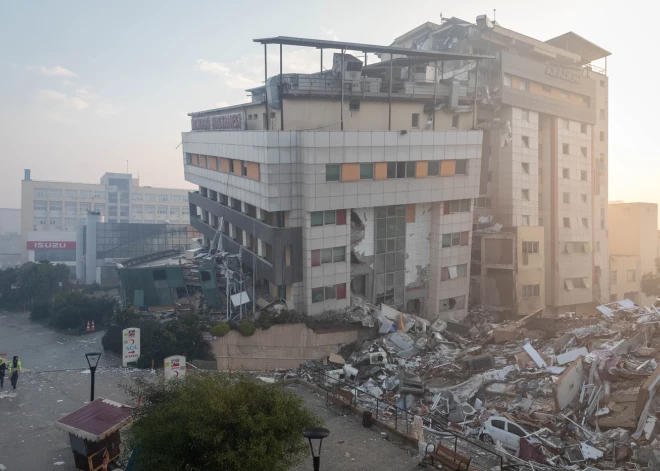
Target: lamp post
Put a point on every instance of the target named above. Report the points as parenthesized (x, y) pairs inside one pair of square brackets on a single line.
[(319, 434), (93, 361)]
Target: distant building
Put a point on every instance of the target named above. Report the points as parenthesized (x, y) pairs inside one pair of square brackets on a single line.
[(10, 221), (633, 247), (58, 207)]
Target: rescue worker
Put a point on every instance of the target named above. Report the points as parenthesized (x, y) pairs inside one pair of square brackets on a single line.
[(15, 368), (3, 367)]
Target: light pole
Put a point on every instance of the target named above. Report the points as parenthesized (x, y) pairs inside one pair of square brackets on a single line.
[(319, 434), (93, 361)]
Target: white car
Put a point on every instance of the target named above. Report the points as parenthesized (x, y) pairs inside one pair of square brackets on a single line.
[(500, 429)]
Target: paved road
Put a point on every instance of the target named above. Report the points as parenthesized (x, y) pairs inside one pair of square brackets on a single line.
[(28, 438), (350, 446)]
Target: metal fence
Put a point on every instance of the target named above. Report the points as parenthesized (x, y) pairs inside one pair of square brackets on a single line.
[(483, 457)]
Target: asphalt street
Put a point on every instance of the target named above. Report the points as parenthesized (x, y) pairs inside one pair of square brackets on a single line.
[(54, 383)]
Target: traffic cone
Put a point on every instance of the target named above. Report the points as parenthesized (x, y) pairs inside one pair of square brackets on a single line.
[(93, 328), (89, 327)]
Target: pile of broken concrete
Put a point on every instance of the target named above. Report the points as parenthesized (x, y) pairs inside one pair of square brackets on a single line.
[(560, 392)]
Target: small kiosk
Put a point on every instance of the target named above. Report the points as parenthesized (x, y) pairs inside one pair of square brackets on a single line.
[(94, 432)]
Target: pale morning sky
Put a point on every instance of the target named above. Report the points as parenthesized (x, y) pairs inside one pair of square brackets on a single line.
[(85, 86)]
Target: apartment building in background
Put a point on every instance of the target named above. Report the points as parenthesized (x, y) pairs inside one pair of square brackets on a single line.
[(51, 211), (354, 182), (541, 217), (633, 248)]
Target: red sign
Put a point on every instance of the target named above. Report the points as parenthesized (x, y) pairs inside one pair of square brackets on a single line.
[(50, 245)]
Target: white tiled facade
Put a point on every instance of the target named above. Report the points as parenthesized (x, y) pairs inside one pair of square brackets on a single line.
[(292, 179)]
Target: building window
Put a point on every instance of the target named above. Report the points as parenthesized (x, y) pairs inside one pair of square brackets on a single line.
[(112, 211), (525, 220), (631, 275), (54, 221), (523, 85), (354, 105), (455, 120), (525, 141), (39, 221), (175, 210), (525, 194), (451, 304), (415, 120), (584, 198), (231, 165), (566, 173), (461, 167), (137, 209), (138, 196), (433, 168), (40, 205), (567, 222), (456, 271), (185, 211), (565, 149), (244, 169), (55, 193), (597, 246), (56, 206), (71, 193), (585, 223), (329, 292), (613, 280), (333, 255), (602, 136), (524, 115), (525, 168), (531, 291), (566, 198), (175, 198), (507, 80), (150, 197), (112, 198), (149, 209), (455, 239), (332, 172), (325, 218), (42, 192), (366, 171), (583, 128), (483, 202), (390, 256), (530, 247), (162, 209), (163, 197), (583, 175), (602, 113)]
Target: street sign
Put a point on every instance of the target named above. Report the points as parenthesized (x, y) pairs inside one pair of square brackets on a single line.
[(175, 366), (131, 345)]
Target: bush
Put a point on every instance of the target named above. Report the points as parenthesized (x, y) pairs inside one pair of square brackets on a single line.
[(246, 328), (40, 310), (220, 330), (73, 310)]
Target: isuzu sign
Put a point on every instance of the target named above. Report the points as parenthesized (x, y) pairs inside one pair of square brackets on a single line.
[(50, 245)]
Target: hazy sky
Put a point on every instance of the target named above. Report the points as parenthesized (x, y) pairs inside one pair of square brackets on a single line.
[(85, 86)]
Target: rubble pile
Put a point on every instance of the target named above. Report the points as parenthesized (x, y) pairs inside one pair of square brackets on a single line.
[(571, 392)]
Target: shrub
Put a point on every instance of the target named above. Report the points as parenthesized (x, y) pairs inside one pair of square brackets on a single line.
[(40, 310), (220, 330), (246, 328)]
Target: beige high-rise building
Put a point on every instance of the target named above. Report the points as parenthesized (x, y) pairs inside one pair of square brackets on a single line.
[(543, 106), (50, 211), (633, 246)]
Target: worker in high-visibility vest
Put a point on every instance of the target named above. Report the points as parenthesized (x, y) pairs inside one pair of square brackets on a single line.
[(15, 368)]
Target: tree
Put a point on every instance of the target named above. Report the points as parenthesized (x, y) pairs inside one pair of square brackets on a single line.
[(651, 281), (218, 422), (72, 310)]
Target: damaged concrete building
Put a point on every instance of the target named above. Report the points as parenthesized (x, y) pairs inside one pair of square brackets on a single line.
[(543, 106), (352, 182)]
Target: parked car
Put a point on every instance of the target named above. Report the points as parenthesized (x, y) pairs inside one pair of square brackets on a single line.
[(500, 429)]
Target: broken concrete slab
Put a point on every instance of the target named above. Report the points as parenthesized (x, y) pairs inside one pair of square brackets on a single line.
[(336, 359), (568, 385), (480, 362), (531, 351), (505, 334), (457, 328), (571, 355)]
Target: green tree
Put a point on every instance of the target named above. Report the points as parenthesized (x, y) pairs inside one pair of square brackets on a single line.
[(40, 281), (651, 281), (72, 310), (207, 422)]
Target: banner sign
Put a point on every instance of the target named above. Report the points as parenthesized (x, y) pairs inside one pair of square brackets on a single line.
[(131, 345), (175, 366)]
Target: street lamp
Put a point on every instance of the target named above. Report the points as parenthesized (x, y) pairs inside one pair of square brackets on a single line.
[(93, 361), (319, 434)]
